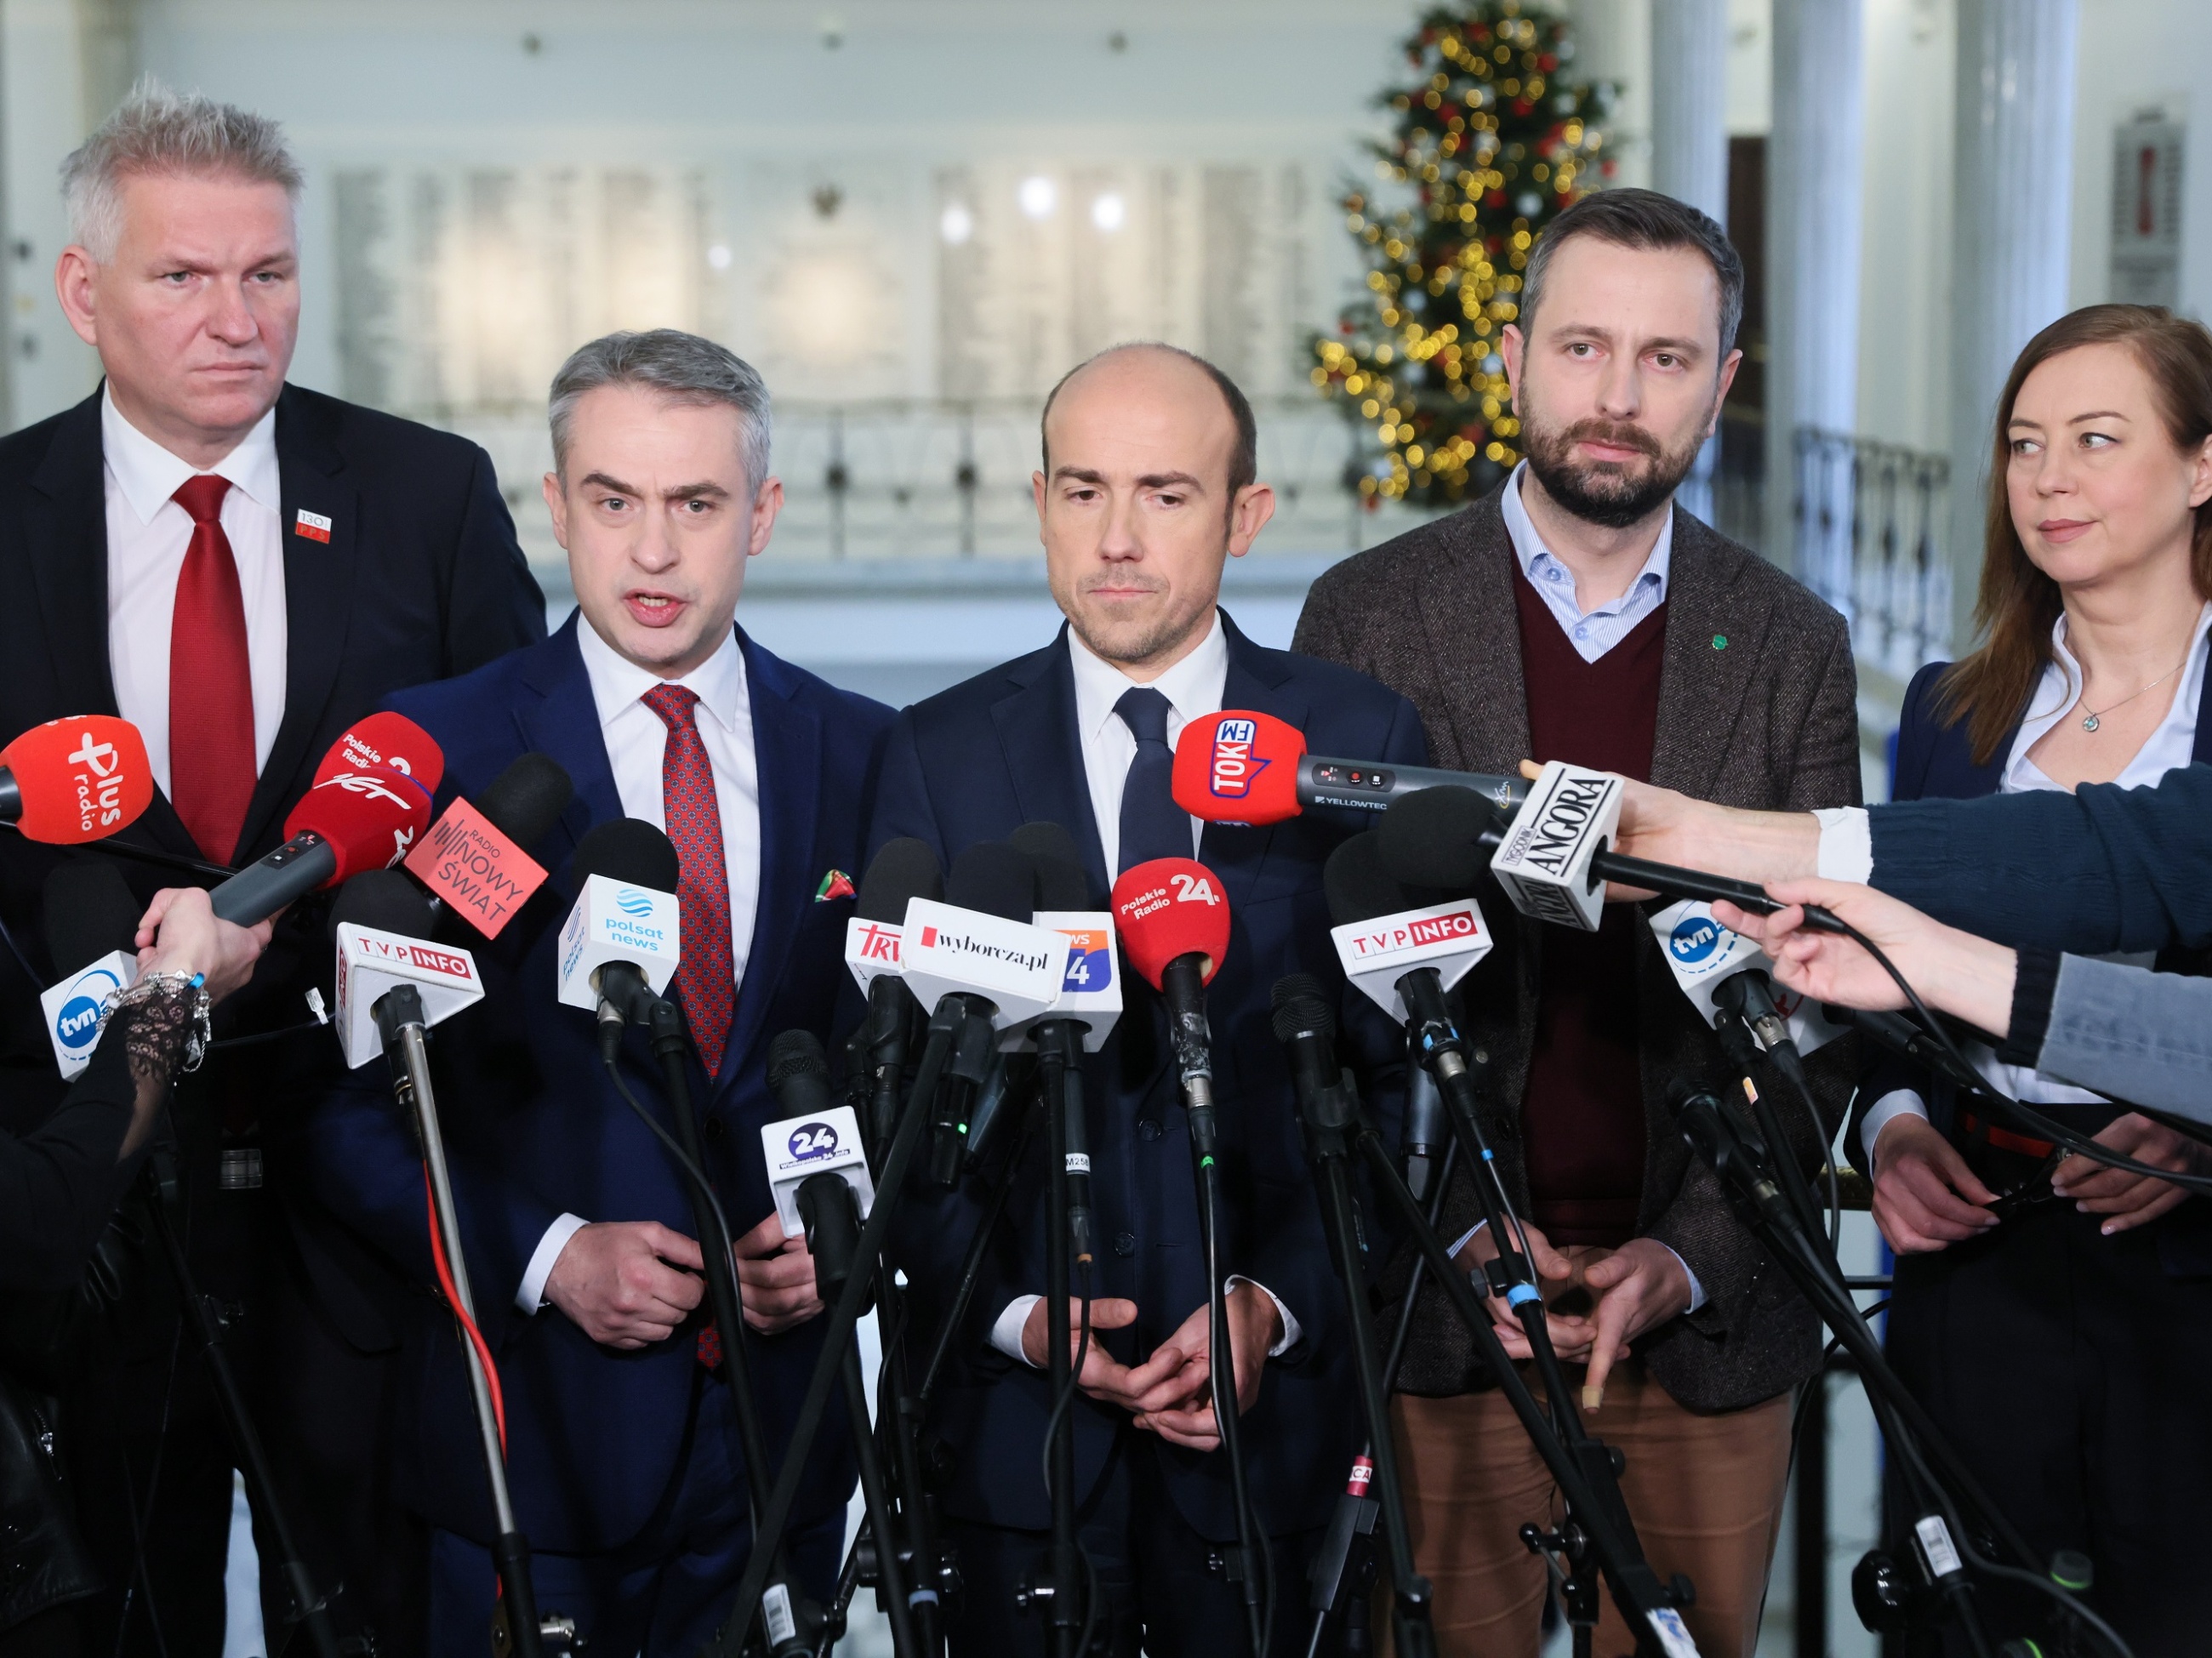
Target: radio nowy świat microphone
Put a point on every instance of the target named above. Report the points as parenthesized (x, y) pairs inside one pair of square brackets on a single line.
[(813, 1139), (92, 930), (1243, 767), (391, 974), (71, 781), (623, 938), (474, 862)]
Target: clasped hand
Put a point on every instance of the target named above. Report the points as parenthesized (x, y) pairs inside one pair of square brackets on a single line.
[(1635, 1288), (631, 1283), (1170, 1393)]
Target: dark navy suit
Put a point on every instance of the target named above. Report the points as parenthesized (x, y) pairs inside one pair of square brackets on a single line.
[(2050, 1355), (597, 1439), (973, 764)]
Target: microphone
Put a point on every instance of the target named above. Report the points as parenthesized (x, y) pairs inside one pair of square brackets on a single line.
[(389, 973), (473, 860), (1090, 994), (77, 779), (902, 870), (385, 742), (1384, 932), (1305, 1024), (1173, 924), (92, 929), (1243, 767), (1905, 1036), (814, 1140), (623, 938), (1719, 968), (352, 820)]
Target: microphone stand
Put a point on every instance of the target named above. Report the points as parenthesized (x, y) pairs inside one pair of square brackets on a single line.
[(1060, 1076), (1183, 985)]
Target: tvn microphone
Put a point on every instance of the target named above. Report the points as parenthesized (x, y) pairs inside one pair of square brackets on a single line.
[(71, 781), (356, 817), (814, 1141), (1241, 766), (622, 942), (475, 861), (92, 931), (1709, 960)]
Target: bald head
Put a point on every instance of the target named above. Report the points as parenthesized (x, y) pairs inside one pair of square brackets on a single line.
[(1147, 372)]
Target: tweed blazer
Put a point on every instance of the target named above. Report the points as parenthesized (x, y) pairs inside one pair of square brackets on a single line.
[(1758, 707)]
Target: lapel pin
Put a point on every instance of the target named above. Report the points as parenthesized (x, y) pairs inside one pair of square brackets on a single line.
[(313, 526), (1720, 642), (834, 886)]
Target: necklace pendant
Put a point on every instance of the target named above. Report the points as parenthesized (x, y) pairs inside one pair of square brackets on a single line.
[(2089, 722)]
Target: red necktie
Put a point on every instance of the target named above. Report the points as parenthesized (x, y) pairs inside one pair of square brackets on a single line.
[(210, 681), (706, 983)]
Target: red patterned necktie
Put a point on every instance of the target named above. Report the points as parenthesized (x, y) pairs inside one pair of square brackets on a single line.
[(212, 763), (706, 983)]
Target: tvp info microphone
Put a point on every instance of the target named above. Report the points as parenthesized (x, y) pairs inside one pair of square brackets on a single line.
[(1243, 767), (382, 925), (73, 781), (1383, 932), (622, 942), (92, 930), (474, 859)]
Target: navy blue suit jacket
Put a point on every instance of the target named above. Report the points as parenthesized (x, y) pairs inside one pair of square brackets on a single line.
[(975, 763), (534, 1129)]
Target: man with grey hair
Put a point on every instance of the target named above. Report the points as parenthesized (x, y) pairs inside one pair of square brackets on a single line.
[(628, 1473), (242, 568)]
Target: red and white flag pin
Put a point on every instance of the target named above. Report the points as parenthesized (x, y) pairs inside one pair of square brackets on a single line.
[(313, 526)]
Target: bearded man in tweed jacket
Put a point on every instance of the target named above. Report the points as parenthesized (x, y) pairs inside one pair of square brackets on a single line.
[(1577, 614)]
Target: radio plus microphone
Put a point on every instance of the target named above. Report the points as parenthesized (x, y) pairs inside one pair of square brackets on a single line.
[(73, 781), (1174, 923), (1243, 767), (624, 936), (355, 819), (474, 859), (1090, 992), (391, 974), (814, 1140), (92, 931), (1707, 959)]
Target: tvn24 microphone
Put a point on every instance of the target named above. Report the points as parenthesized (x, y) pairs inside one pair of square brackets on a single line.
[(92, 930), (475, 860), (623, 938), (1090, 992), (71, 781), (1241, 767), (814, 1140), (356, 817)]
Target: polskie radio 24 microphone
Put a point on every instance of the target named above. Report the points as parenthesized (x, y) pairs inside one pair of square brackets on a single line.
[(813, 1138), (390, 971), (358, 817), (1720, 971), (624, 936), (71, 781), (1243, 767), (1090, 990), (474, 862), (1174, 923), (92, 930)]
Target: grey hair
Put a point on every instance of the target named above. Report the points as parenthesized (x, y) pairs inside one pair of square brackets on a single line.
[(681, 367), (1642, 219), (160, 131)]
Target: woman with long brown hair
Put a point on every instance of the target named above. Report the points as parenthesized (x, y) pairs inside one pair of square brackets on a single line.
[(2061, 1349)]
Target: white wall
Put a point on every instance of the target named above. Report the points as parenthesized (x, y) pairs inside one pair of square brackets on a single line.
[(2137, 54)]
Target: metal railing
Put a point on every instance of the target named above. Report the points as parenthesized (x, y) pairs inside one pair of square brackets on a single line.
[(1871, 523)]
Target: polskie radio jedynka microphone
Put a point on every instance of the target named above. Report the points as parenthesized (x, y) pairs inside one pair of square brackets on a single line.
[(71, 781), (92, 929), (1242, 767)]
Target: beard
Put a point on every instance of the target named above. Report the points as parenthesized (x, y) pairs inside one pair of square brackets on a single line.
[(1606, 493)]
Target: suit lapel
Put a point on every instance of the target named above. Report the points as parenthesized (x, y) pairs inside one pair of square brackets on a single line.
[(1712, 649), (1238, 853), (564, 724), (1043, 750), (319, 579), (1474, 630)]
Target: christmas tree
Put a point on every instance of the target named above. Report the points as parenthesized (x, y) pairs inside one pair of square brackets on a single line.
[(1491, 144)]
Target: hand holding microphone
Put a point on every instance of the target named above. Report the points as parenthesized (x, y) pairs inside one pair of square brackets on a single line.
[(180, 932)]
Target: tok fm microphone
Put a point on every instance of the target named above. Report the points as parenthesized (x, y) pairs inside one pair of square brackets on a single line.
[(351, 821), (623, 938), (1173, 924), (92, 931), (391, 974), (1242, 767), (814, 1142), (73, 781), (474, 859)]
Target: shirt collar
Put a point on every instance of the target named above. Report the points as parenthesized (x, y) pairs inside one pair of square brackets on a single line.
[(1534, 557), (617, 683), (2055, 693), (149, 475), (1194, 687)]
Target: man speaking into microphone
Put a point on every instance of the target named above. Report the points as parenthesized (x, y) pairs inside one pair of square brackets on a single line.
[(1148, 487), (624, 1451), (1578, 614)]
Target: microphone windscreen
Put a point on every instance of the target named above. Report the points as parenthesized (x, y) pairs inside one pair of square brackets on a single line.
[(1169, 907), (906, 869), (1358, 887), (1062, 883), (370, 819), (1300, 1004), (993, 879), (388, 742), (1431, 838), (89, 913), (796, 1054), (524, 801), (628, 850), (1239, 767), (385, 901), (81, 779)]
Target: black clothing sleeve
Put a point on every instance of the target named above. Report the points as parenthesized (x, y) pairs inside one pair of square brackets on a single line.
[(61, 1181)]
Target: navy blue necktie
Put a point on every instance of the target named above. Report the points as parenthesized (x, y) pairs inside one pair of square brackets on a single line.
[(1152, 825)]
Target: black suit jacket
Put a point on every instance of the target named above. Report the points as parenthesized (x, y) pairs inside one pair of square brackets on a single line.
[(1757, 708), (422, 579)]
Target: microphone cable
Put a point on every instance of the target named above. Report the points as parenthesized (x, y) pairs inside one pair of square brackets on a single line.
[(1060, 1408), (691, 1170)]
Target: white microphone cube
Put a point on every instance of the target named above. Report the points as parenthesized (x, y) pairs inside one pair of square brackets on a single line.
[(1700, 953), (613, 922), (799, 1148), (1089, 985), (371, 962), (1016, 965), (1450, 938), (872, 949), (75, 1008), (1544, 862)]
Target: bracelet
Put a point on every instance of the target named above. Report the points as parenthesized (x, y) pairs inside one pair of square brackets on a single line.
[(163, 986)]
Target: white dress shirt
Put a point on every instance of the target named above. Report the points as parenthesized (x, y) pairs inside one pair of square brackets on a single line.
[(1194, 688), (148, 534), (1592, 633), (2170, 746), (637, 744)]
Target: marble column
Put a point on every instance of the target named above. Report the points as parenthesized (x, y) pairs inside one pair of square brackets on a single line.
[(1689, 145), (2012, 183), (1813, 224)]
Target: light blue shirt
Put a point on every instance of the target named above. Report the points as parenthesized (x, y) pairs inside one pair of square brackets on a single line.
[(1592, 633)]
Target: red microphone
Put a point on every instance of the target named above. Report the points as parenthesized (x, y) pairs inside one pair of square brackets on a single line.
[(386, 742), (1173, 924), (1242, 767), (73, 781)]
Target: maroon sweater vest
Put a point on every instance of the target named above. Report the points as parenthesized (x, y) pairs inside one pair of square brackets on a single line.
[(1582, 1119)]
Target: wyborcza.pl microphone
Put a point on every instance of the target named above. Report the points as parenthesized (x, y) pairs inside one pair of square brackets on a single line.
[(1243, 767), (71, 781), (92, 928)]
